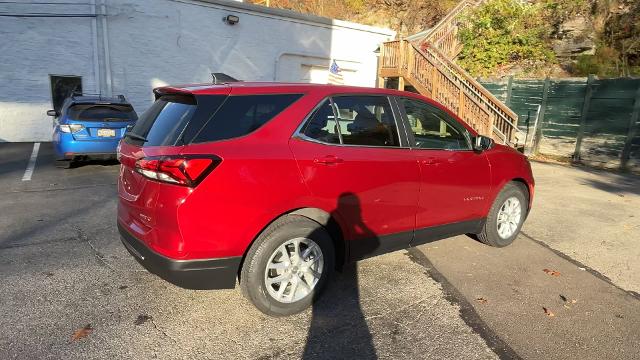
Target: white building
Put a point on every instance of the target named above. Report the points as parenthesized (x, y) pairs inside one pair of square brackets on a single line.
[(131, 46)]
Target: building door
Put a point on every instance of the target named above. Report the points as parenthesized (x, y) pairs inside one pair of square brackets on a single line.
[(63, 86)]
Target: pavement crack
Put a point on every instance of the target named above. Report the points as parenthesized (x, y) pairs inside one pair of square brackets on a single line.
[(47, 242), (161, 331), (82, 236)]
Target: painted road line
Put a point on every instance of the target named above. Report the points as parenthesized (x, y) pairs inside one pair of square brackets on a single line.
[(32, 162)]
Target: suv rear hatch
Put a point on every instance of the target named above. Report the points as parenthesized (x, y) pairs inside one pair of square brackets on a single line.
[(101, 121), (158, 173), (148, 207)]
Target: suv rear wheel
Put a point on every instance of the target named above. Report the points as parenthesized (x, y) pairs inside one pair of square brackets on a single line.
[(506, 216), (288, 266)]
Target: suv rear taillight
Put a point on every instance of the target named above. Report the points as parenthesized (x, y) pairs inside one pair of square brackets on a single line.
[(179, 170)]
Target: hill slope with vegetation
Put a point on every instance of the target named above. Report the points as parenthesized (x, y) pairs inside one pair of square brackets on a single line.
[(512, 37)]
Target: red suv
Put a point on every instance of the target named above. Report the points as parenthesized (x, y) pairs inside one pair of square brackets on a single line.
[(276, 185)]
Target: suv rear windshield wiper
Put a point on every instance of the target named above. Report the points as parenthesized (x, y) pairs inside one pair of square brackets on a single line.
[(135, 136)]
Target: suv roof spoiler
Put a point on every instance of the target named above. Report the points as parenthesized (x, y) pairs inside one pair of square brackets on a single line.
[(78, 94)]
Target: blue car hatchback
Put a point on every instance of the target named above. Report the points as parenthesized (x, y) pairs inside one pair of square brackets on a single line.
[(90, 127)]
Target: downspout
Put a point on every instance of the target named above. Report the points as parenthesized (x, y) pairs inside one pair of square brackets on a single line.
[(105, 44), (96, 51)]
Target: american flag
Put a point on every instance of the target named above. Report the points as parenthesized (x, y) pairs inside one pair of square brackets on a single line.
[(335, 76)]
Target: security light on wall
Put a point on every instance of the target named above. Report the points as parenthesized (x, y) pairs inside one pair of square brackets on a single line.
[(231, 19)]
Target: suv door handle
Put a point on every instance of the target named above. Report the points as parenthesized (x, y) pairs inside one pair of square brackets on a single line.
[(431, 161), (328, 160)]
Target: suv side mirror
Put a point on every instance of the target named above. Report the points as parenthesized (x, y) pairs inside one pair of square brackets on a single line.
[(52, 113), (482, 143)]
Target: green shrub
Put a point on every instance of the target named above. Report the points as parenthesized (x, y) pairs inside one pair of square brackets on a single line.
[(505, 32)]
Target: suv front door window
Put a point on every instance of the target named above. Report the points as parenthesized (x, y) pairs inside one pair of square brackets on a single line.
[(433, 128)]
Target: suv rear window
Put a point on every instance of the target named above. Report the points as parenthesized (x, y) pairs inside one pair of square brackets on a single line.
[(241, 115), (165, 122), (182, 119), (102, 112)]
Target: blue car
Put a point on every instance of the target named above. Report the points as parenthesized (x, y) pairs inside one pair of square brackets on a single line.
[(90, 127)]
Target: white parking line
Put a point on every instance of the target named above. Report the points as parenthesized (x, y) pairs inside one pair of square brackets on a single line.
[(32, 162)]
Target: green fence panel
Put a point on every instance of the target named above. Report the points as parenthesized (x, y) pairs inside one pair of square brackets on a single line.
[(606, 124), (564, 107), (525, 98)]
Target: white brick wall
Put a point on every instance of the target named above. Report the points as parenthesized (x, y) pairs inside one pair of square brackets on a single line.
[(156, 42), (31, 49)]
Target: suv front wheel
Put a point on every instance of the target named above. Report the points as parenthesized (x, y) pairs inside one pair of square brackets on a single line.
[(506, 216), (288, 266)]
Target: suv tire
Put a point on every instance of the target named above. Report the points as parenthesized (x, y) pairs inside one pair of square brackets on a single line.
[(313, 241), (506, 216)]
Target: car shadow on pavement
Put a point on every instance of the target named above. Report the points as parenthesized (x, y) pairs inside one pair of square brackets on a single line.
[(105, 162), (618, 184), (338, 328)]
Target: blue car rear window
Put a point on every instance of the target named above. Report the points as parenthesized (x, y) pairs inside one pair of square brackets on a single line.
[(102, 112)]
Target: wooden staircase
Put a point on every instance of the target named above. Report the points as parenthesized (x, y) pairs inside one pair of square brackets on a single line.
[(426, 63)]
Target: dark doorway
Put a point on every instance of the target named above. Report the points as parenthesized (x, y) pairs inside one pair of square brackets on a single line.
[(62, 86)]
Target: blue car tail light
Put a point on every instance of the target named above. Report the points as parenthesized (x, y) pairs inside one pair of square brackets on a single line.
[(71, 129)]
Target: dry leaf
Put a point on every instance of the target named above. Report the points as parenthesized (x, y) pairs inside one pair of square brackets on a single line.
[(551, 272), (548, 312), (567, 302), (82, 332), (482, 300)]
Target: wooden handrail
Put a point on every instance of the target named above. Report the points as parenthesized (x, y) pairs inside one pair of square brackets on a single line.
[(471, 82), (444, 35)]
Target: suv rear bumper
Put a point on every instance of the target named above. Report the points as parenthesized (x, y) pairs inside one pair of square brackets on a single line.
[(200, 274)]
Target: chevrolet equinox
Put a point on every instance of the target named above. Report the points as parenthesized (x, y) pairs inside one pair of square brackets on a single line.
[(275, 185)]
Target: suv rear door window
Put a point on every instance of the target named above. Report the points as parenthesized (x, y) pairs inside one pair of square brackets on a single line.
[(366, 120), (102, 112), (322, 125), (241, 115)]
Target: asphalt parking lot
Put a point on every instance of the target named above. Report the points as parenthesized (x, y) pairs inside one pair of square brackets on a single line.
[(62, 267)]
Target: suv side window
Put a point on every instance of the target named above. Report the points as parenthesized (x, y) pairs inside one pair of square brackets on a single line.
[(433, 128), (322, 125), (243, 114), (366, 120)]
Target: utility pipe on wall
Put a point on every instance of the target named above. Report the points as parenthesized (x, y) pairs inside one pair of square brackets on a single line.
[(105, 44)]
